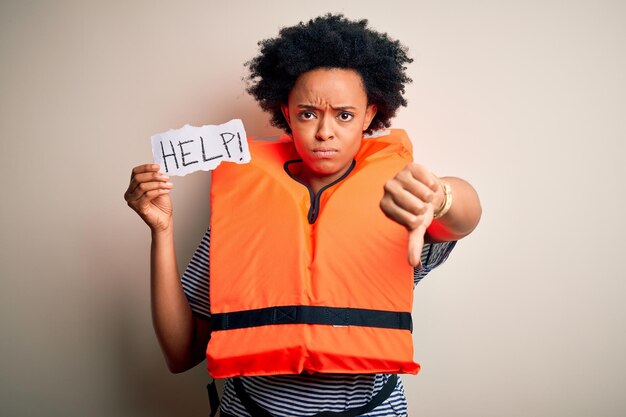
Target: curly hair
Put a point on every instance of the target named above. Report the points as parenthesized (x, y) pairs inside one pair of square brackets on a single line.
[(330, 41)]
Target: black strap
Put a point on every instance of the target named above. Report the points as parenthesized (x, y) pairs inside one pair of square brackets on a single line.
[(214, 399), (335, 316), (255, 410)]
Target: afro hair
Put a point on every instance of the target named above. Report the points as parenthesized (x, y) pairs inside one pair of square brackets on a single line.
[(330, 41)]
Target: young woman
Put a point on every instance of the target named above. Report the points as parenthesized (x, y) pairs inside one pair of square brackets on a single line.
[(330, 84)]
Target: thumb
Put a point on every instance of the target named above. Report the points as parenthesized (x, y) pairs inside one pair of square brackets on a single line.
[(416, 243), (416, 238)]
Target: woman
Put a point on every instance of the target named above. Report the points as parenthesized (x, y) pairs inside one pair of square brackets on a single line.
[(326, 83)]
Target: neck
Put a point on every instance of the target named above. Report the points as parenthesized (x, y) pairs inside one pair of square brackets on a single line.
[(315, 181)]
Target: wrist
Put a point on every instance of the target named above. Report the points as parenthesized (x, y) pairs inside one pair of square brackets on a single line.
[(446, 201), (162, 232)]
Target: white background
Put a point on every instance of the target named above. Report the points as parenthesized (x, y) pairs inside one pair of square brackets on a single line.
[(524, 99)]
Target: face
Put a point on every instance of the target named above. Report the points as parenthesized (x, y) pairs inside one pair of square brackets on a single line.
[(327, 111)]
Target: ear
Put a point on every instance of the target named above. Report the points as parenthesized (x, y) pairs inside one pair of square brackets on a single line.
[(285, 109), (370, 112)]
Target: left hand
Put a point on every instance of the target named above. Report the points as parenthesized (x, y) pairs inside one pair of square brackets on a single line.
[(410, 198)]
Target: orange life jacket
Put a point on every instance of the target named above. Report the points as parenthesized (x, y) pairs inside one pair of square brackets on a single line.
[(304, 283)]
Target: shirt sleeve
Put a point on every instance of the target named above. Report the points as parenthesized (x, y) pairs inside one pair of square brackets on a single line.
[(195, 279), (433, 255)]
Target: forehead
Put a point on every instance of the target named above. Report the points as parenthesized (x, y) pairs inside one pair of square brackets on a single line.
[(331, 85)]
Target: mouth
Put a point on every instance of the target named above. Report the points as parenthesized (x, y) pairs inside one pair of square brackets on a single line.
[(324, 152)]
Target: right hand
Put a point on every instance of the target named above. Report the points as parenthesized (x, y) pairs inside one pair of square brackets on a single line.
[(148, 194), (409, 199)]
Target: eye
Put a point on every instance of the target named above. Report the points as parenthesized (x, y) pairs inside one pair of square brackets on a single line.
[(306, 115), (345, 116)]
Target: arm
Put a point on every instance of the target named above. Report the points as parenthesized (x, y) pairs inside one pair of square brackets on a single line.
[(182, 336), (413, 195)]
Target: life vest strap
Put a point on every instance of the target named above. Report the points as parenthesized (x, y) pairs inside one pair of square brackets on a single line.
[(255, 410), (214, 398), (334, 316)]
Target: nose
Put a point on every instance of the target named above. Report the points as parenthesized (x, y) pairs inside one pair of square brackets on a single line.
[(325, 129)]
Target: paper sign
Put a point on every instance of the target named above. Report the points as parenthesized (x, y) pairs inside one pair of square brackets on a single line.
[(190, 149)]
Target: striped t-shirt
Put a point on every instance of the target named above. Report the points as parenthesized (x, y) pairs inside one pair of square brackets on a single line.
[(304, 394)]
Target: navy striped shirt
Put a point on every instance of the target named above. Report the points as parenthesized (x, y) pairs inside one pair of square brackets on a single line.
[(304, 395)]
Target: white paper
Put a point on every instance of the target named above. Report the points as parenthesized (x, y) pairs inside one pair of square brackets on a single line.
[(190, 149)]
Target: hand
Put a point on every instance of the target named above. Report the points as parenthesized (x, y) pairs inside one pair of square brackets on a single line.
[(410, 198), (148, 195)]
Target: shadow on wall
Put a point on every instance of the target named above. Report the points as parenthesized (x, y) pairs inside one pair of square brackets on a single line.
[(144, 385)]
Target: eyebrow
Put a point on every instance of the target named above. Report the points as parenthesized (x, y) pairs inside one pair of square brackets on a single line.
[(312, 107)]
